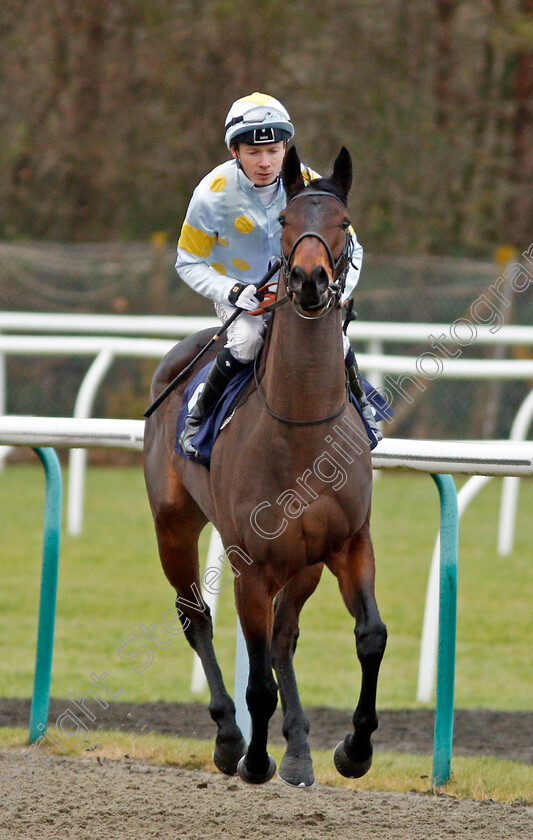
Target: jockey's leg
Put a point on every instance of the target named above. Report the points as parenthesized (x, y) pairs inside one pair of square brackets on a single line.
[(245, 337), (356, 387), (217, 379)]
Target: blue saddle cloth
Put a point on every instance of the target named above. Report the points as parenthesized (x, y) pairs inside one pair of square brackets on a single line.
[(206, 435)]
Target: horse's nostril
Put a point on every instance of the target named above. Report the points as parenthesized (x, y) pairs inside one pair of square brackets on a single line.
[(297, 278), (320, 277)]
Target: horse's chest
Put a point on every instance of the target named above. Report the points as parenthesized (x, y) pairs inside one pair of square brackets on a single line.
[(312, 534), (326, 526)]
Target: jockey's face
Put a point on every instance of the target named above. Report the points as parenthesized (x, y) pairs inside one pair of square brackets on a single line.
[(261, 164)]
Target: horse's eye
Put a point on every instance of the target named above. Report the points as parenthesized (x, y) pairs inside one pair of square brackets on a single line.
[(346, 224), (281, 220)]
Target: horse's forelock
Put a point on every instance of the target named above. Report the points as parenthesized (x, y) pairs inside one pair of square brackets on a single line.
[(327, 185)]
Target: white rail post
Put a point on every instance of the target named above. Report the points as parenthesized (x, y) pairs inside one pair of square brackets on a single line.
[(214, 561), (242, 671), (78, 457), (375, 377), (511, 484), (4, 450)]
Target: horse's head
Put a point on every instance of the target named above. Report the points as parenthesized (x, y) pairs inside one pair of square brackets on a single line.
[(316, 241)]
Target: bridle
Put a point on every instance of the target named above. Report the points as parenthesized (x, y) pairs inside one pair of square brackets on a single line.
[(335, 289)]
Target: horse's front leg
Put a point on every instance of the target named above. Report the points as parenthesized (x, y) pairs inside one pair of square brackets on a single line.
[(255, 609), (178, 523), (355, 573), (297, 766)]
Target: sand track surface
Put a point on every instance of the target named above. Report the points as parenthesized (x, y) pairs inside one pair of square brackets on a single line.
[(108, 800), (91, 799)]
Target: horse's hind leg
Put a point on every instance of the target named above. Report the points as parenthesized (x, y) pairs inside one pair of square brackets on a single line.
[(296, 767), (178, 522), (355, 573)]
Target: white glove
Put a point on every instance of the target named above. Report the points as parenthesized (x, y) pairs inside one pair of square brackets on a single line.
[(245, 298)]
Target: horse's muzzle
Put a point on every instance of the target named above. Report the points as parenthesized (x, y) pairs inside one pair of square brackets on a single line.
[(308, 291)]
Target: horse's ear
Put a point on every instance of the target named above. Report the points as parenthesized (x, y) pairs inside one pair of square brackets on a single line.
[(343, 170), (291, 173)]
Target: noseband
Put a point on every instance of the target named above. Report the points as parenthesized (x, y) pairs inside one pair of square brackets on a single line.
[(335, 290)]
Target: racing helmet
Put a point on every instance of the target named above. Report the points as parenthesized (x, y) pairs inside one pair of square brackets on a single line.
[(257, 119)]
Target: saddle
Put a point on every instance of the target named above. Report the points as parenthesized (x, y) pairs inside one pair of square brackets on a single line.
[(224, 409), (212, 423)]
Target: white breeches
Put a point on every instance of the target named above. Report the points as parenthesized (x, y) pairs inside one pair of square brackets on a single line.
[(345, 344), (246, 335)]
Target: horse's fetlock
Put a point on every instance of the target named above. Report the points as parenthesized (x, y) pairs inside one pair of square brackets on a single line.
[(222, 708), (292, 722), (365, 723)]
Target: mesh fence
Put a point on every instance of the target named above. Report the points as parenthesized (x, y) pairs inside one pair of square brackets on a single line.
[(140, 279)]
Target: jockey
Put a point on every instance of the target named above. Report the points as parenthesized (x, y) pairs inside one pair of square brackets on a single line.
[(231, 236)]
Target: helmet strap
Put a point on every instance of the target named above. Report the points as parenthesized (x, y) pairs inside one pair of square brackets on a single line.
[(235, 150)]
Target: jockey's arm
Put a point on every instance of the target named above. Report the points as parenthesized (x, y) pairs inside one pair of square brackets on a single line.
[(204, 279), (197, 239)]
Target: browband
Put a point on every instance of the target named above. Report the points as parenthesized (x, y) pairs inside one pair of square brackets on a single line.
[(306, 192)]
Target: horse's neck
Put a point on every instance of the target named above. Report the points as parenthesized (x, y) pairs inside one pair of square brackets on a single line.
[(304, 373)]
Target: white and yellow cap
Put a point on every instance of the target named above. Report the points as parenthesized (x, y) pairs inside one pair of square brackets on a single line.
[(257, 119)]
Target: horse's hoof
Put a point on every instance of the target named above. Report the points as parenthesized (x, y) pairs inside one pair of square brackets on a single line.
[(346, 766), (226, 760), (296, 772), (256, 778)]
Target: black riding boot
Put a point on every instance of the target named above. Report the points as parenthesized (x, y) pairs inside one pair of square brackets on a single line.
[(356, 387), (225, 367)]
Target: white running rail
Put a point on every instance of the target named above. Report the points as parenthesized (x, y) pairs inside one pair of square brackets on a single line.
[(480, 459)]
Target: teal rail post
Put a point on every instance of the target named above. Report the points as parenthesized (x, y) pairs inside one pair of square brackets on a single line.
[(449, 528), (47, 606)]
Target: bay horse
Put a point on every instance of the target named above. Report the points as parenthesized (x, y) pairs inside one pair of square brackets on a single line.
[(279, 538)]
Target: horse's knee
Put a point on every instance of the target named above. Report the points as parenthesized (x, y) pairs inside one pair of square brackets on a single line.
[(262, 697), (284, 643), (195, 623), (371, 640)]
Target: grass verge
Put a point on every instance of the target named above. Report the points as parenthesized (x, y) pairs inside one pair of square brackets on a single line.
[(111, 588), (472, 777)]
